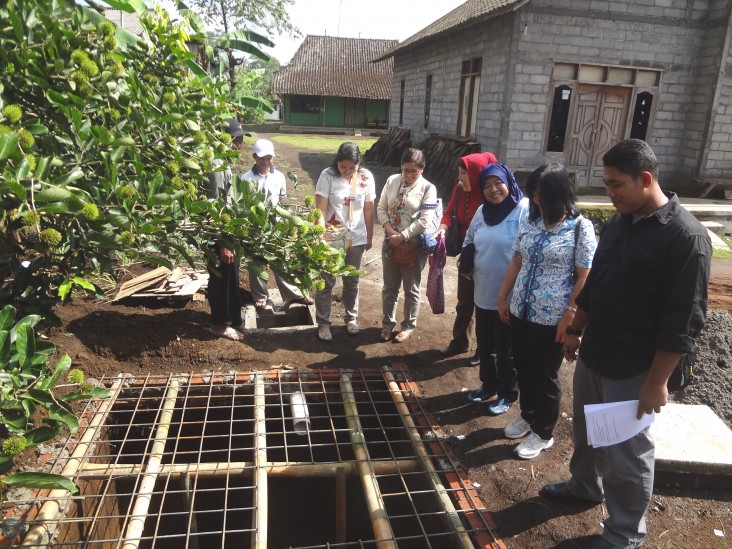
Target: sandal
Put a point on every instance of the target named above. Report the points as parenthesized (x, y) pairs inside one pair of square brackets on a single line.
[(352, 328), (324, 333), (303, 301), (403, 336), (386, 334)]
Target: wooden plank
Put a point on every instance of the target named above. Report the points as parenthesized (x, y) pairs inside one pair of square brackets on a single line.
[(141, 282)]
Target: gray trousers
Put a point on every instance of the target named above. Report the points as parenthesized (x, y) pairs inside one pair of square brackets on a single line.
[(259, 290), (324, 298), (622, 473), (409, 279)]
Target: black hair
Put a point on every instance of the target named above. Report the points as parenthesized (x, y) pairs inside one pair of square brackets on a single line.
[(531, 184), (632, 157), (347, 151), (556, 193), (414, 155)]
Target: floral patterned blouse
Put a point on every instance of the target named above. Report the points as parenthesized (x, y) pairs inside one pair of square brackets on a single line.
[(548, 259)]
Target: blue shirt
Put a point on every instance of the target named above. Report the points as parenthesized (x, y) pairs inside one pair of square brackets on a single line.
[(493, 252), (548, 260)]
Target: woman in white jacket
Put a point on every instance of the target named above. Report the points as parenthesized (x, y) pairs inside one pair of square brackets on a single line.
[(406, 209)]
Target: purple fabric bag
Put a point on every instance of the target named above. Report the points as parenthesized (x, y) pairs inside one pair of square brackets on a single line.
[(435, 283)]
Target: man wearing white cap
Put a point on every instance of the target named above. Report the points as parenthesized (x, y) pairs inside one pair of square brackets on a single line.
[(273, 185)]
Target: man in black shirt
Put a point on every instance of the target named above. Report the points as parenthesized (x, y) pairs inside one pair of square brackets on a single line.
[(642, 305)]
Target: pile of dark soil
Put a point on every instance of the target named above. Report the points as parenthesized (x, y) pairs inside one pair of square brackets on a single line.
[(712, 382)]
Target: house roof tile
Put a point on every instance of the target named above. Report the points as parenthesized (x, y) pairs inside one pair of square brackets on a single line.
[(469, 13), (340, 67)]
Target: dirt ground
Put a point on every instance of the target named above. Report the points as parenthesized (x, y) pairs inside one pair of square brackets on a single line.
[(104, 339)]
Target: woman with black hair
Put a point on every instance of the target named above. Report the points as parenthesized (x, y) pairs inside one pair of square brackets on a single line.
[(345, 195), (551, 258)]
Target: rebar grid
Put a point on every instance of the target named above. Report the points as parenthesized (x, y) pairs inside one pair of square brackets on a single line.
[(214, 461)]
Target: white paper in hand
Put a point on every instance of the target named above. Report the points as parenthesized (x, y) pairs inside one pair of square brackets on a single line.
[(614, 422)]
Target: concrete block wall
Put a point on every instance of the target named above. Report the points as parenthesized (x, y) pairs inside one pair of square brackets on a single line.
[(443, 60), (716, 154), (520, 49)]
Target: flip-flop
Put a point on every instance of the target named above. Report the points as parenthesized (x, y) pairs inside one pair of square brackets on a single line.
[(229, 333), (403, 336), (385, 334)]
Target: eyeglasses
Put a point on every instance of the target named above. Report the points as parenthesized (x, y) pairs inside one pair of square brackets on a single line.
[(492, 186), (412, 172)]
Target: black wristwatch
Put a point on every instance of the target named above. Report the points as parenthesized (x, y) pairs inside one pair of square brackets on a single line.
[(573, 331)]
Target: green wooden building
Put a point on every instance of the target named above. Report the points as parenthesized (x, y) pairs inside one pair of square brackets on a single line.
[(331, 82)]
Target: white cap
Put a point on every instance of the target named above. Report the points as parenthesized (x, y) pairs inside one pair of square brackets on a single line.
[(262, 147)]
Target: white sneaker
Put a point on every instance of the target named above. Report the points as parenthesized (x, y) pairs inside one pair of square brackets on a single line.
[(352, 328), (532, 446), (518, 428)]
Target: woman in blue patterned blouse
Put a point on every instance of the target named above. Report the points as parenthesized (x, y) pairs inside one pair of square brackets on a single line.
[(551, 258)]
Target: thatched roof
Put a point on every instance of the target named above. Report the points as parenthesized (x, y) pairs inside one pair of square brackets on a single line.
[(339, 67), (469, 13)]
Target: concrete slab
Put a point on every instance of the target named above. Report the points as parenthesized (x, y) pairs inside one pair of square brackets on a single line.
[(692, 439)]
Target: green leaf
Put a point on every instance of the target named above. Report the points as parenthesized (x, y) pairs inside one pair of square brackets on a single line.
[(129, 6), (73, 175), (63, 365), (42, 165), (36, 129), (190, 164), (41, 480), (8, 144), (41, 434), (6, 464), (25, 344), (64, 289), (53, 194), (193, 126), (7, 314), (196, 69), (84, 283), (4, 346)]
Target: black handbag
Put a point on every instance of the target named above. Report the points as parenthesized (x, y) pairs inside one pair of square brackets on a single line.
[(453, 238)]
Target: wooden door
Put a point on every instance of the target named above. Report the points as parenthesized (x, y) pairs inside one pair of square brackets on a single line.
[(355, 112), (599, 121)]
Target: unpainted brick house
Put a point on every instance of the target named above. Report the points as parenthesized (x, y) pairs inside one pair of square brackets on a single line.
[(563, 80), (331, 82)]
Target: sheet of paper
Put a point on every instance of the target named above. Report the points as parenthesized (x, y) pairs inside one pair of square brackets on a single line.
[(614, 422)]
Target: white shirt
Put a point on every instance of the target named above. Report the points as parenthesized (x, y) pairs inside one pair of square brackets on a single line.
[(338, 190), (273, 185)]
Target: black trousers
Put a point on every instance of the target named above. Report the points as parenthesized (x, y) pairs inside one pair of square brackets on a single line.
[(497, 370), (223, 293), (463, 327), (537, 359)]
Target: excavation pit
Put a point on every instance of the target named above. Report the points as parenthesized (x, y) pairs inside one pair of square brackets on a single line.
[(237, 461), (282, 318)]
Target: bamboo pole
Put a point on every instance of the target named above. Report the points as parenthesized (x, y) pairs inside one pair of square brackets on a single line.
[(39, 533), (259, 541), (374, 501), (101, 471), (135, 527), (187, 494), (444, 500)]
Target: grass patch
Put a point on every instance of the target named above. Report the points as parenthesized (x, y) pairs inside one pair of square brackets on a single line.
[(324, 143), (723, 254)]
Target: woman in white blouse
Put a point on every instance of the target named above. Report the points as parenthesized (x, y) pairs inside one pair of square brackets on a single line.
[(345, 195)]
